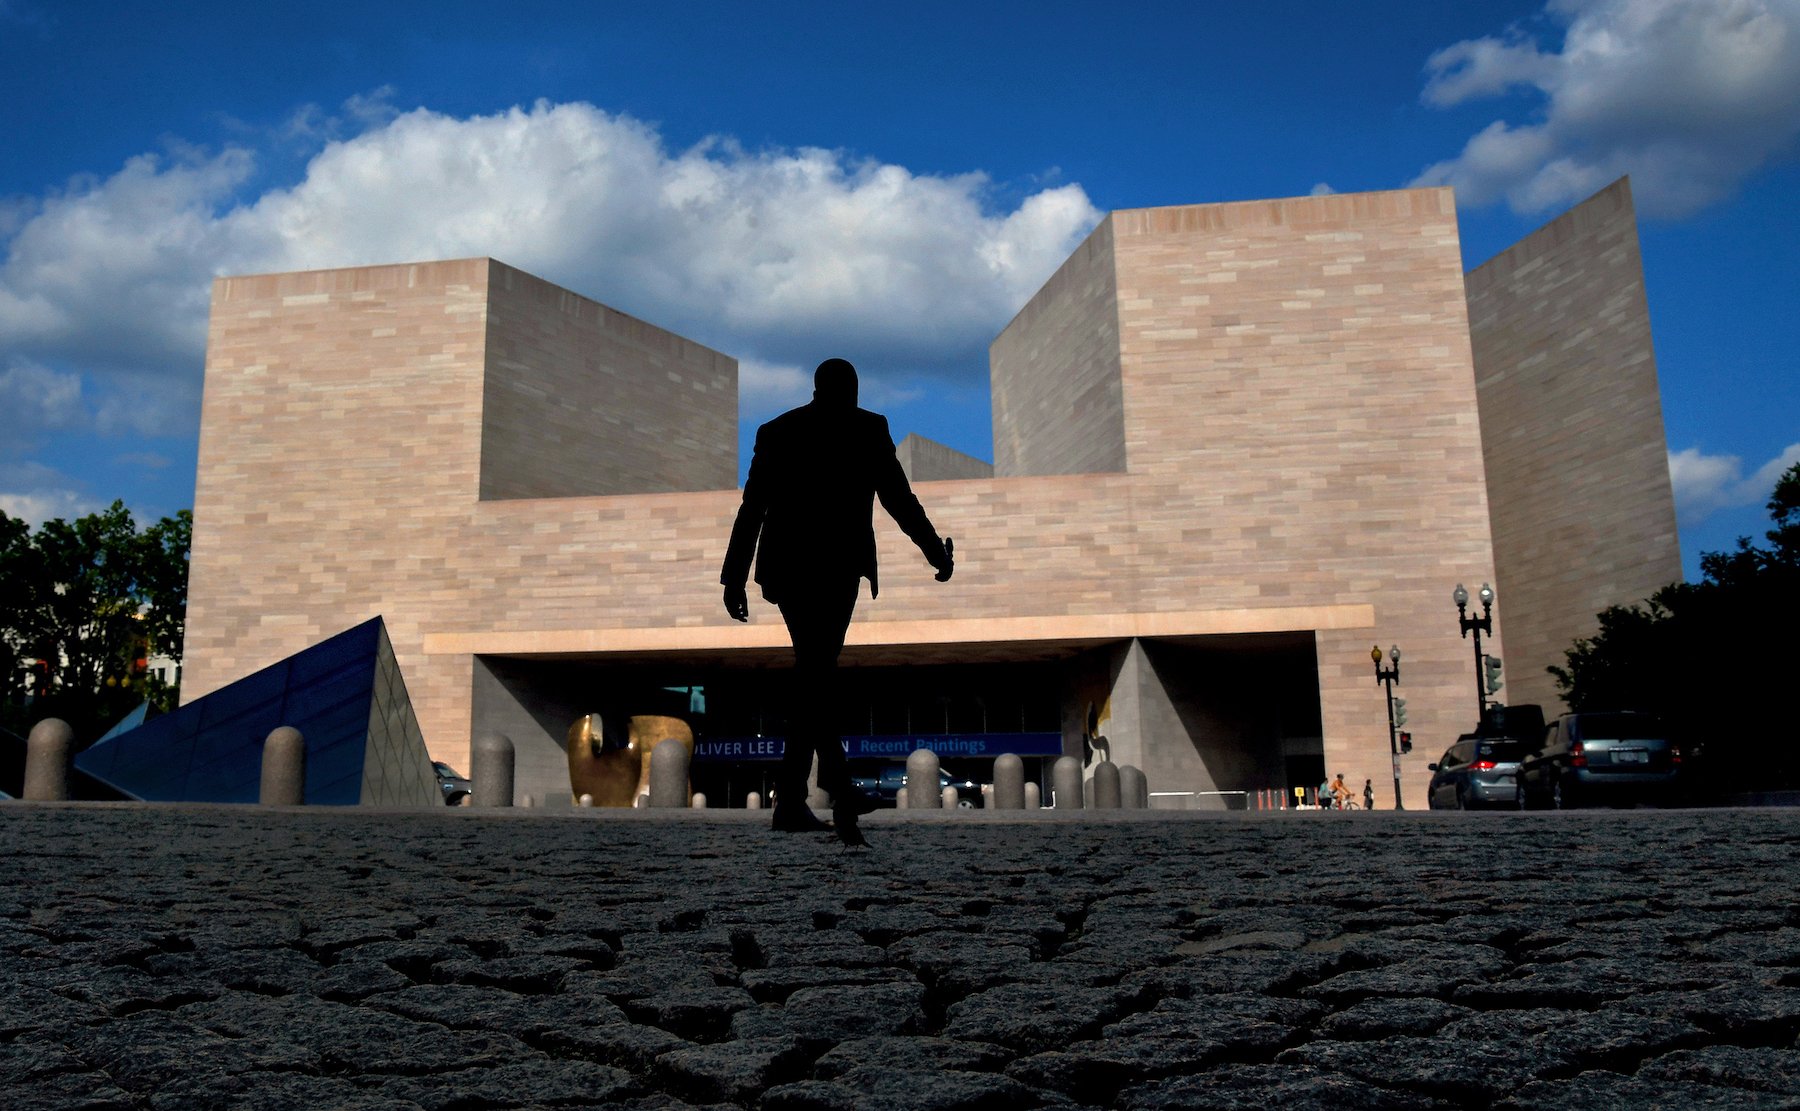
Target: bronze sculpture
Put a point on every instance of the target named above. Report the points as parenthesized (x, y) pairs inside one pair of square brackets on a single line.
[(616, 775)]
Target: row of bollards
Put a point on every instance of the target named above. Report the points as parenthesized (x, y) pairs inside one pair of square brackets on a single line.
[(1111, 788), (49, 752)]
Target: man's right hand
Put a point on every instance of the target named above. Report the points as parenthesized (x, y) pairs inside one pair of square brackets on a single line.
[(737, 603), (948, 566)]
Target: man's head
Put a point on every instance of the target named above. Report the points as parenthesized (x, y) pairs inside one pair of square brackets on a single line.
[(834, 383)]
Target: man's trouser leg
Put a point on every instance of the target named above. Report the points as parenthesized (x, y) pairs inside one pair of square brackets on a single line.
[(817, 622)]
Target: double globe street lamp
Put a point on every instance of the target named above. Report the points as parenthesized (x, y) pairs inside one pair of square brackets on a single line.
[(1487, 668), (1396, 707)]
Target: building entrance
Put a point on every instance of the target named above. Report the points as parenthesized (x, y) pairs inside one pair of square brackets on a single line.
[(967, 714)]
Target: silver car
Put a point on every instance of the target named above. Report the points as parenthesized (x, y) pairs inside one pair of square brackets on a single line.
[(1608, 758), (1476, 772)]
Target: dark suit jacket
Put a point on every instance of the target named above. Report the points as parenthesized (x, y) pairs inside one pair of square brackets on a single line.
[(814, 478)]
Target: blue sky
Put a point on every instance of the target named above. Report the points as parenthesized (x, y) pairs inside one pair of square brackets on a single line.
[(885, 184)]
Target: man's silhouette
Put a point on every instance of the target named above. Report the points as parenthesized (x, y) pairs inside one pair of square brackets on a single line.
[(814, 478)]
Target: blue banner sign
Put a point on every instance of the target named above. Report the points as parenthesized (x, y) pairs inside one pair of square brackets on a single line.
[(891, 746)]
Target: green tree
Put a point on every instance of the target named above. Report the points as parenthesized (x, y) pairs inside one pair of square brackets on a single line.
[(15, 558), (163, 583), (1699, 655), (82, 604)]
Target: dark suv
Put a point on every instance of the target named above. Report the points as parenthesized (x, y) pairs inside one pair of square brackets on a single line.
[(1475, 772), (455, 786), (1618, 757)]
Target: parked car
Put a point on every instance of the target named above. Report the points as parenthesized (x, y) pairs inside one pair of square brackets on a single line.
[(1613, 758), (454, 785), (885, 786), (1475, 772)]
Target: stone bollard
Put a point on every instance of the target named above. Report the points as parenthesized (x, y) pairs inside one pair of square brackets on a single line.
[(752, 801), (816, 798), (1009, 782), (900, 799), (1107, 792), (47, 754), (922, 781), (491, 769), (283, 768), (585, 800), (528, 800), (1087, 797), (1033, 797), (698, 802), (669, 774), (1065, 779), (952, 800), (1134, 788)]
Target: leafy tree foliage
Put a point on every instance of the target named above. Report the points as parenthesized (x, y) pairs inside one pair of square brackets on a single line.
[(83, 605), (1714, 658)]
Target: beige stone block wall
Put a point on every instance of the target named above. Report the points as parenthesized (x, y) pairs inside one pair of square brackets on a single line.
[(926, 460), (1299, 416), (582, 399), (1571, 420), (1054, 372), (341, 463), (339, 455)]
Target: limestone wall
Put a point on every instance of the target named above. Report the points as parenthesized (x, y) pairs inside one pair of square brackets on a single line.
[(1571, 421), (582, 399), (1054, 372), (1282, 439), (926, 460)]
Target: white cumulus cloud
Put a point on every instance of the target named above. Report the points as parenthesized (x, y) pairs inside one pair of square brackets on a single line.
[(35, 493), (1689, 97), (1705, 484), (776, 256)]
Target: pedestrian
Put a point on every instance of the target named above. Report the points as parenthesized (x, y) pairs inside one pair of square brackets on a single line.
[(1368, 794), (814, 478)]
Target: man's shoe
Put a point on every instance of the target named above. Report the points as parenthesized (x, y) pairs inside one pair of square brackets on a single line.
[(848, 831), (847, 806), (797, 819)]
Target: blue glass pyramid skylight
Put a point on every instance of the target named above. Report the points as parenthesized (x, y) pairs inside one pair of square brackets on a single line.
[(345, 696)]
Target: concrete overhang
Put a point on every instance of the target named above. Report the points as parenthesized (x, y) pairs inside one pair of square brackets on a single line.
[(956, 640)]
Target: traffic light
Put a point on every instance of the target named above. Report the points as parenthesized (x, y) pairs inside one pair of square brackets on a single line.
[(1405, 743), (1399, 711), (1493, 673)]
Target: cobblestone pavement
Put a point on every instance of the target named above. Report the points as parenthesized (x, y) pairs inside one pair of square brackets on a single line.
[(194, 957)]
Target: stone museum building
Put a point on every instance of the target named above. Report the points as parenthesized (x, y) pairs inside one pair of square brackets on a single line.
[(1234, 446)]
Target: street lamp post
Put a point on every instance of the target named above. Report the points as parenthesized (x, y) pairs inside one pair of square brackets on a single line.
[(1477, 625), (1387, 677)]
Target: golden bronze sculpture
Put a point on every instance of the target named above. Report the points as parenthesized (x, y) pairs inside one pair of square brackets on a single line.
[(616, 776)]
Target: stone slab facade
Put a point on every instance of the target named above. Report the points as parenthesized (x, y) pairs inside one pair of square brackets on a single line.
[(1249, 425), (1572, 428), (1297, 403), (926, 460)]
